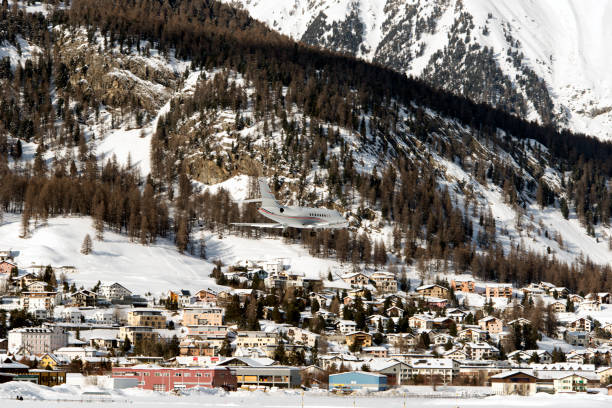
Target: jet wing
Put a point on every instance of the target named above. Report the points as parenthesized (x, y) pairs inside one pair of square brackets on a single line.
[(258, 225)]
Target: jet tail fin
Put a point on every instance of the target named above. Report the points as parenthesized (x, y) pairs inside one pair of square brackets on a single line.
[(267, 198)]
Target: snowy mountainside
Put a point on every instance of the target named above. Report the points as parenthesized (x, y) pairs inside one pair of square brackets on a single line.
[(217, 125), (545, 60), (143, 269)]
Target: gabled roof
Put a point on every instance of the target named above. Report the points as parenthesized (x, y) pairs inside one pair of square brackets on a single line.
[(506, 374)]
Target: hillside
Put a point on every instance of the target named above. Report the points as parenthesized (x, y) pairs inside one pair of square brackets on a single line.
[(544, 60), (137, 112)]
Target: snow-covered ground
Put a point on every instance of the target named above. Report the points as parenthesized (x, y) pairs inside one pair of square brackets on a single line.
[(70, 396), (143, 268)]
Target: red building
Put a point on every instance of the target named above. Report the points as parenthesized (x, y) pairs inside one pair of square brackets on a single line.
[(168, 378)]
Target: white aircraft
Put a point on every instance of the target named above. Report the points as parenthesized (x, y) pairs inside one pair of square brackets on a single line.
[(296, 217)]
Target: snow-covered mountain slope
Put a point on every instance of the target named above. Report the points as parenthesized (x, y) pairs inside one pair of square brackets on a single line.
[(153, 268), (547, 60)]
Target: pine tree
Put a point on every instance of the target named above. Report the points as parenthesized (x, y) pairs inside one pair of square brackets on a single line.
[(87, 245), (182, 235), (202, 251), (99, 221)]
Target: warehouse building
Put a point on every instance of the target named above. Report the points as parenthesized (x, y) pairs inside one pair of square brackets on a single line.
[(357, 380)]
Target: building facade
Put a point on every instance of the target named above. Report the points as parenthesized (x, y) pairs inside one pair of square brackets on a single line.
[(168, 379)]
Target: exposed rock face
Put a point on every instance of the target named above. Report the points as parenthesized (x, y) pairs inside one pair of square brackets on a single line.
[(116, 79)]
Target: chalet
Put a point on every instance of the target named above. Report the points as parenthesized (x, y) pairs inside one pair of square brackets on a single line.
[(395, 311), (36, 286), (491, 324), (385, 282), (558, 306), (360, 338), (457, 315), (571, 382), (574, 298), (580, 324), (514, 383), (402, 340), (472, 334), (52, 361), (432, 290), (206, 295), (24, 280), (480, 351), (84, 298), (420, 322), (114, 291), (346, 326), (436, 302), (355, 279)]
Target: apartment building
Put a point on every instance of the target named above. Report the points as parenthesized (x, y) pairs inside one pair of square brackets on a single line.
[(147, 317), (37, 340), (210, 316)]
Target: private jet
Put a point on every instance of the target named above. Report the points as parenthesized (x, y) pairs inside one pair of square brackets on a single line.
[(289, 216)]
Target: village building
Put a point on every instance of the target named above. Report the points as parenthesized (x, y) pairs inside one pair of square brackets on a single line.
[(36, 340), (463, 285), (433, 291), (146, 317), (498, 290), (163, 379)]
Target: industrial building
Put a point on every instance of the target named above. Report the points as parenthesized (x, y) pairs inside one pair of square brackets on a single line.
[(358, 380)]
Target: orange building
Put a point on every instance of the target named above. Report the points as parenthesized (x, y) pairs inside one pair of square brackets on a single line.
[(463, 285)]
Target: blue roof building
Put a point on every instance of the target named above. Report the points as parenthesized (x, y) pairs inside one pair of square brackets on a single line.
[(358, 380)]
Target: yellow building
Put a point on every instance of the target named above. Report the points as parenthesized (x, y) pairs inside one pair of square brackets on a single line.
[(212, 316), (51, 361), (148, 318), (362, 338), (433, 290), (249, 339)]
